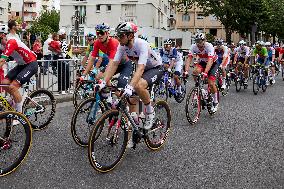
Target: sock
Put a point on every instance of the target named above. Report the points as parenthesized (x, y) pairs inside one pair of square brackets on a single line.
[(179, 89), (215, 98), (149, 108)]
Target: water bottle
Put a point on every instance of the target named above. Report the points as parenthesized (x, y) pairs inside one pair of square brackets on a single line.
[(204, 93)]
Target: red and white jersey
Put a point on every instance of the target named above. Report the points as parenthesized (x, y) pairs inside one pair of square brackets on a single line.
[(243, 51), (14, 44), (204, 54)]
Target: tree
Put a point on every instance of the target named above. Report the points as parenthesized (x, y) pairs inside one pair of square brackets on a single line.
[(46, 23)]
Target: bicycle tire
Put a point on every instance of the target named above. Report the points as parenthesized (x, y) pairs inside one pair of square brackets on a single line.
[(80, 87), (263, 85), (156, 145), (80, 109), (192, 120), (238, 83), (50, 116), (24, 122), (255, 86), (94, 141)]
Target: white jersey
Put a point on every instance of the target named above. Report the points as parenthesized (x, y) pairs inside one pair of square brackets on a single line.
[(204, 54), (243, 52), (140, 51)]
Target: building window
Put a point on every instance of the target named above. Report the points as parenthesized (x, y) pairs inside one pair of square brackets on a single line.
[(98, 8), (82, 13), (200, 16), (17, 13), (185, 17), (108, 7), (213, 32), (1, 11), (200, 30)]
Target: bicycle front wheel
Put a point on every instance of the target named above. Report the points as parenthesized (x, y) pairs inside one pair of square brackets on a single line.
[(255, 86), (39, 107), (82, 91), (193, 105), (108, 140), (156, 137), (83, 120), (15, 141)]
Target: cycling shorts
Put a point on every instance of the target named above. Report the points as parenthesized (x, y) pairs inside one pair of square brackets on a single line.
[(213, 70), (23, 73), (153, 75)]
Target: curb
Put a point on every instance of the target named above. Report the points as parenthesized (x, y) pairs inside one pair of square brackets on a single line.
[(63, 98)]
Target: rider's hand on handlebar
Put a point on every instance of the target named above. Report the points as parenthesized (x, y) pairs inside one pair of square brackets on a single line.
[(83, 77), (128, 91), (101, 85)]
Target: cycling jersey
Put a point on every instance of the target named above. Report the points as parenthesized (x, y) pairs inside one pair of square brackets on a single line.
[(89, 49), (167, 56), (221, 52), (277, 52), (242, 52), (16, 46), (271, 52), (262, 53), (141, 52), (205, 54), (109, 49)]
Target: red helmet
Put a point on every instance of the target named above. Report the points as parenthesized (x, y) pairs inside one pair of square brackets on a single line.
[(126, 27)]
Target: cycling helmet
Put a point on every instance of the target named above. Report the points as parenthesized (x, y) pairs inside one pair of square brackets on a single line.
[(126, 27), (4, 29), (276, 45), (144, 37), (168, 42), (200, 36), (242, 42), (91, 35), (219, 42), (103, 27), (268, 44), (61, 31)]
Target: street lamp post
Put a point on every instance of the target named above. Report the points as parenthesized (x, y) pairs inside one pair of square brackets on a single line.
[(76, 19)]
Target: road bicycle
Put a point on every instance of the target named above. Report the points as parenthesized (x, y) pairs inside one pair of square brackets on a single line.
[(259, 78), (39, 107), (109, 138), (15, 141), (198, 99), (166, 88), (240, 79)]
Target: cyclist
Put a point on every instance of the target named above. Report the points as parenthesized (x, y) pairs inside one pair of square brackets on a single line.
[(271, 59), (26, 68), (232, 52), (277, 53), (262, 57), (207, 63), (91, 37), (104, 48), (280, 58), (149, 69), (242, 56), (223, 58), (172, 58)]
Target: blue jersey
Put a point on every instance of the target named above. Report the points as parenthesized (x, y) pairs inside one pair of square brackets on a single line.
[(167, 56)]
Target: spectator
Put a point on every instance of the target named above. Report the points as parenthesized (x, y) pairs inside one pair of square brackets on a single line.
[(55, 47), (37, 48), (63, 66), (46, 54)]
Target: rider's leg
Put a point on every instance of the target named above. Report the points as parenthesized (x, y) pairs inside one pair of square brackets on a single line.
[(177, 74), (13, 90)]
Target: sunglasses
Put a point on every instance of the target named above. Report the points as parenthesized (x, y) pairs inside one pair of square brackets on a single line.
[(121, 35), (102, 33), (90, 39)]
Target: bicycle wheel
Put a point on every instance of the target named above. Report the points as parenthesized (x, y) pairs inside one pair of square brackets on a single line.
[(238, 83), (39, 107), (15, 141), (108, 140), (193, 105), (83, 122), (255, 86), (263, 84), (82, 91), (156, 137)]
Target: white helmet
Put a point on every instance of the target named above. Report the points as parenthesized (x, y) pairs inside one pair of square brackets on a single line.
[(4, 29), (242, 42), (268, 44), (61, 32), (200, 36)]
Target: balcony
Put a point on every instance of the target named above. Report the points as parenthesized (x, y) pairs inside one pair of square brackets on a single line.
[(30, 1), (29, 9)]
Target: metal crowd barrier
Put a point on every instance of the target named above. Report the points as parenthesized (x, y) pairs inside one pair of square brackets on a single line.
[(57, 76)]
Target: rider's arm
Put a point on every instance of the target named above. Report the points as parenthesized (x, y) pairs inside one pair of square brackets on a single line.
[(188, 61), (225, 56), (280, 55), (209, 65), (85, 59), (2, 62), (273, 55), (211, 54)]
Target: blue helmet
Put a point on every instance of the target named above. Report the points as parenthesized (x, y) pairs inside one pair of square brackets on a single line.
[(102, 27)]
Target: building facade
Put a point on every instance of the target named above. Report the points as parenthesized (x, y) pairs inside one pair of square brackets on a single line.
[(3, 12), (195, 22), (155, 18)]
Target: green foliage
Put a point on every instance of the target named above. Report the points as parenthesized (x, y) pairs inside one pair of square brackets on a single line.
[(210, 38), (46, 23)]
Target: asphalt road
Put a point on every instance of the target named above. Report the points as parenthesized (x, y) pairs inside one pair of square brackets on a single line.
[(239, 147)]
